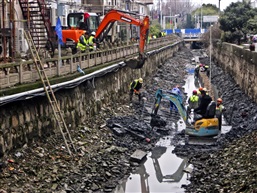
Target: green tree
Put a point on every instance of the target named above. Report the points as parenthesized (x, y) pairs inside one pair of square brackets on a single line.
[(155, 28), (188, 23), (235, 21), (206, 9), (251, 25)]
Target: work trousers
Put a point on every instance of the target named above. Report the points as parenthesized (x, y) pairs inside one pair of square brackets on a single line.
[(131, 95)]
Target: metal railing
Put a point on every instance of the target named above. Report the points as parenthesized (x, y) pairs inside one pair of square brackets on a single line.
[(192, 36)]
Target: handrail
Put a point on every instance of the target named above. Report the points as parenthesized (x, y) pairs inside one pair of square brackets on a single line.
[(24, 71)]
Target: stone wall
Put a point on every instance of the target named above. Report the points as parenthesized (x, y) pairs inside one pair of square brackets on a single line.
[(239, 63), (25, 121)]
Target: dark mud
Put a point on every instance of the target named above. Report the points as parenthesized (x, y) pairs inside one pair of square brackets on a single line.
[(233, 167), (106, 142)]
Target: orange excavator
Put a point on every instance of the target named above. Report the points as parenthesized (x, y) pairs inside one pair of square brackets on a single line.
[(78, 23), (117, 15)]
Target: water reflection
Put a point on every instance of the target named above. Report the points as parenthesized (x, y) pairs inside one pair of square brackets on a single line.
[(161, 172), (174, 177)]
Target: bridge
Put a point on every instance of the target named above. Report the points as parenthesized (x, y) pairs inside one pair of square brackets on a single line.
[(189, 35)]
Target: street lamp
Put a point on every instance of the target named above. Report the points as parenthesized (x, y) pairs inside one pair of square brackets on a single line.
[(103, 8), (170, 17)]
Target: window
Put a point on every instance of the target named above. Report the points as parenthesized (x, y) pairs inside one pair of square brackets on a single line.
[(75, 20), (63, 21), (93, 23)]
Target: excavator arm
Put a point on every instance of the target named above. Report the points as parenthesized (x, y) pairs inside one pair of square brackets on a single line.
[(122, 16), (159, 95)]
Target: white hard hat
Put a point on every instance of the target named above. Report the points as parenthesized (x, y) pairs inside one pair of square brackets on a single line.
[(140, 80), (93, 33)]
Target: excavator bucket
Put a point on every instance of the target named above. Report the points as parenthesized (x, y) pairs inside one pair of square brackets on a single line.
[(135, 63)]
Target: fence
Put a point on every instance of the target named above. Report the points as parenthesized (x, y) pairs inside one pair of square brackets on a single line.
[(21, 72)]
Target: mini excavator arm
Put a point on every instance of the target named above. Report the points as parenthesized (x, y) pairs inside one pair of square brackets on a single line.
[(122, 16), (173, 98)]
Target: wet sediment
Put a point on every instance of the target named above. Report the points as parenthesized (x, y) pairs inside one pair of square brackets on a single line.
[(106, 142), (230, 166)]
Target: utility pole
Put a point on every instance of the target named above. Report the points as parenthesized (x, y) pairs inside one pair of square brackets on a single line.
[(219, 5), (210, 50), (201, 16), (12, 28), (161, 12), (59, 45), (103, 8), (4, 30), (170, 17), (175, 14)]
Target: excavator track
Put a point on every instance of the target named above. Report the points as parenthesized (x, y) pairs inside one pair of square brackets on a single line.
[(193, 140)]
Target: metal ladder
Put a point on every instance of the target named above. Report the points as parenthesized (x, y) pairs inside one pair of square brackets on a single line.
[(49, 93)]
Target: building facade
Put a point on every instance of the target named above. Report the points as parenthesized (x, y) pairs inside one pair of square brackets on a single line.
[(41, 15)]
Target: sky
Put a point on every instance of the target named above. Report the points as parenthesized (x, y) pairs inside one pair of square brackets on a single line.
[(223, 3)]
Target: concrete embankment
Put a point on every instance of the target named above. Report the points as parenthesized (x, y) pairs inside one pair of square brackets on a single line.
[(24, 121)]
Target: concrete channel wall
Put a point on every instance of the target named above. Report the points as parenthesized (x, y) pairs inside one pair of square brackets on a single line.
[(239, 63), (25, 121)]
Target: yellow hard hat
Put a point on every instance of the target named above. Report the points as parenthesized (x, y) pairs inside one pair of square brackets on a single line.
[(140, 80)]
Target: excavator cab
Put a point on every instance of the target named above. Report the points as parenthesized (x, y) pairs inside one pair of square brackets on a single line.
[(78, 23), (83, 21)]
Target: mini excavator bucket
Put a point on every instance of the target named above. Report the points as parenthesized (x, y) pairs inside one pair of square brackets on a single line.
[(136, 63)]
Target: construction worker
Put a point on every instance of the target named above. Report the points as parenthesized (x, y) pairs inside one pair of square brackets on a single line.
[(149, 38), (204, 102), (80, 22), (207, 70), (199, 92), (92, 42), (135, 87), (197, 69), (193, 102), (219, 110), (176, 91), (83, 42), (206, 91)]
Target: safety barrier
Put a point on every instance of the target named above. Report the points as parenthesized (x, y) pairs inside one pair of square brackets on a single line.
[(21, 72)]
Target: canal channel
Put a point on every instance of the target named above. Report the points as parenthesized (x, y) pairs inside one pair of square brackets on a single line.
[(163, 170)]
